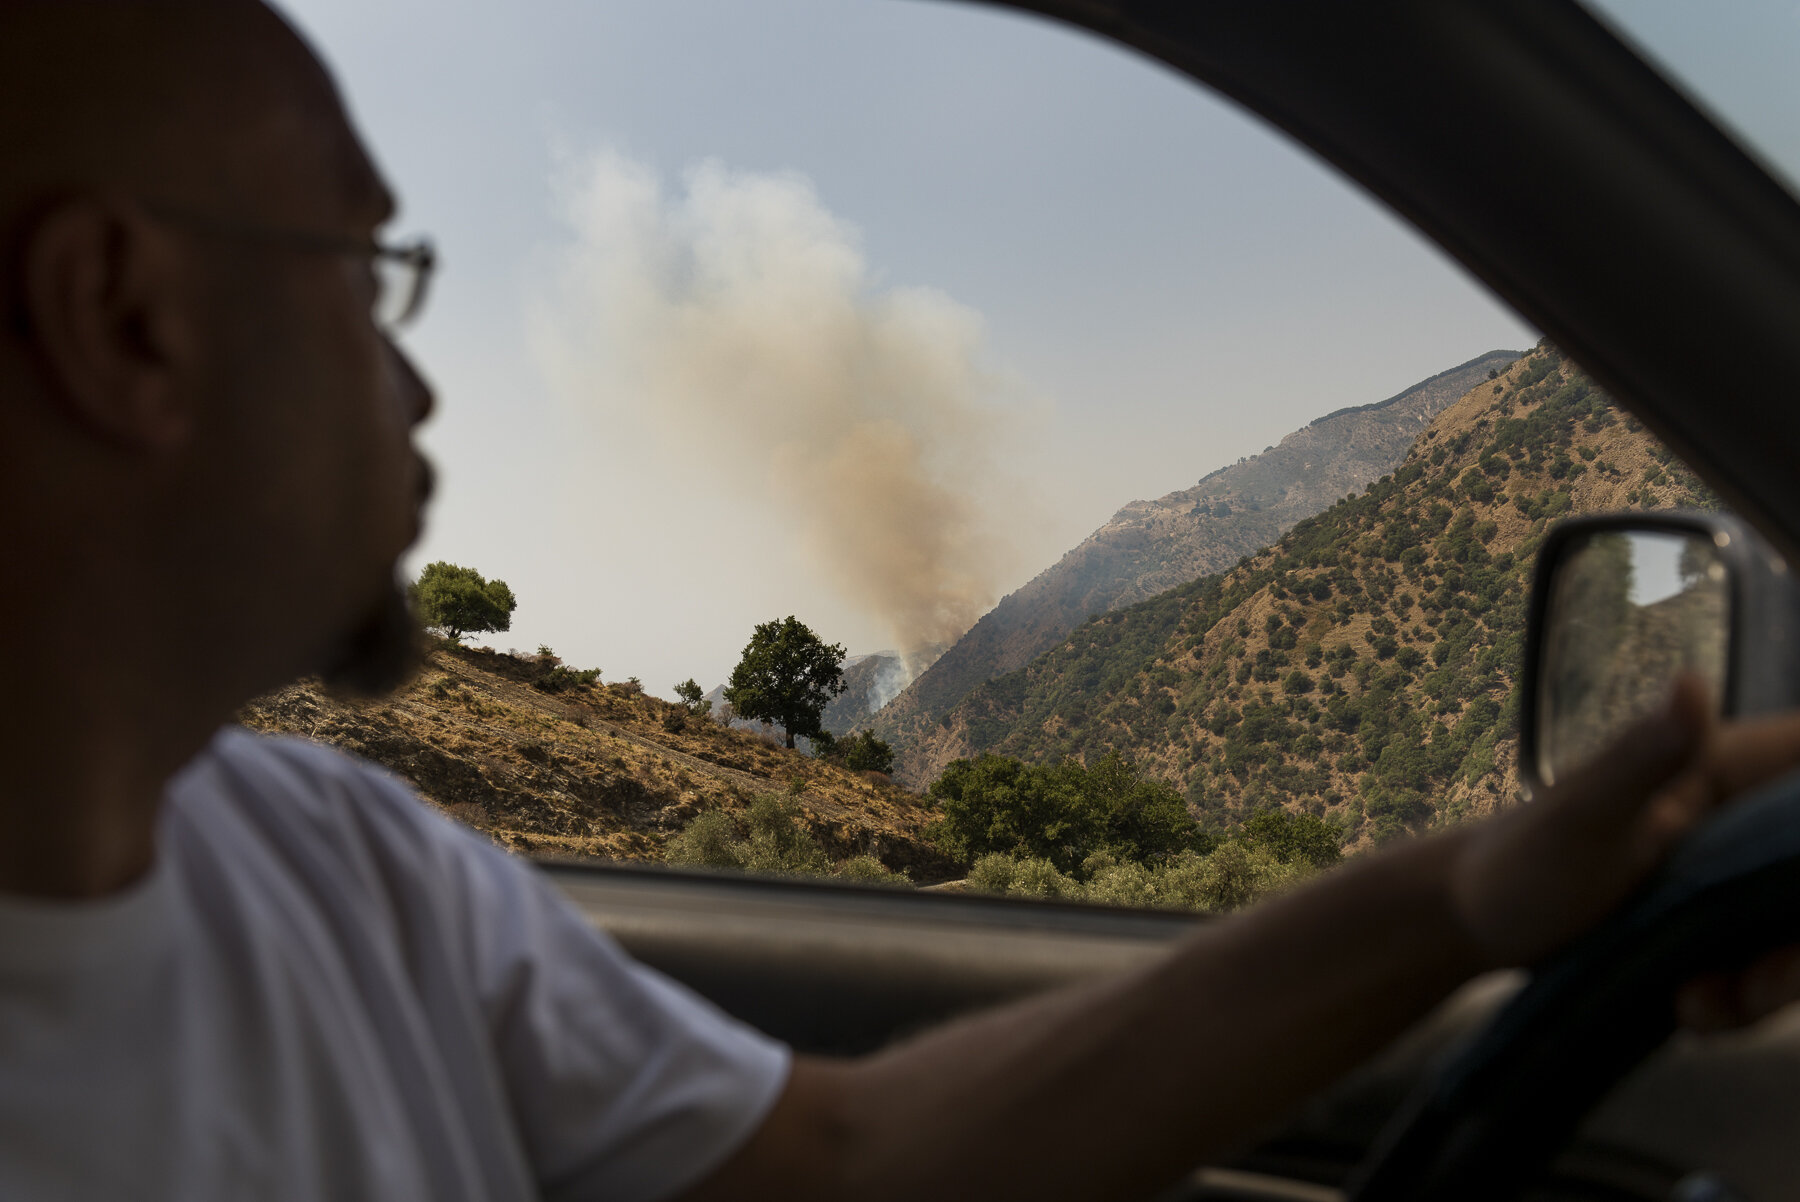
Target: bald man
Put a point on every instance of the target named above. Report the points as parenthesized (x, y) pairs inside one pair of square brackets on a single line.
[(236, 967)]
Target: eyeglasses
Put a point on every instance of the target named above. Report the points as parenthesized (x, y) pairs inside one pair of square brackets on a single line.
[(402, 272)]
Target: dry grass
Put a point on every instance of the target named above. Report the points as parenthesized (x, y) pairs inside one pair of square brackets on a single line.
[(593, 771)]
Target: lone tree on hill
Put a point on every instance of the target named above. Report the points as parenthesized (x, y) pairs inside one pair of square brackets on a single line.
[(459, 601), (788, 676)]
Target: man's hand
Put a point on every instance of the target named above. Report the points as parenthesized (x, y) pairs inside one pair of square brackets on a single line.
[(1540, 874)]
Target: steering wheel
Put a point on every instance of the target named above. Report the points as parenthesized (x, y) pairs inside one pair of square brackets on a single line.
[(1493, 1118)]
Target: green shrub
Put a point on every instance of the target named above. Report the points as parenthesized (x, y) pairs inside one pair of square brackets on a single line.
[(867, 870), (992, 873), (709, 841), (775, 842), (1476, 486), (1236, 875), (1040, 878), (1231, 876), (562, 678), (1114, 884), (778, 842)]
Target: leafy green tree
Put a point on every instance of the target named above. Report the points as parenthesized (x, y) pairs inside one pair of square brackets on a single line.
[(459, 601), (788, 675), (694, 697), (1145, 819), (1060, 813), (865, 751), (1292, 838), (997, 804)]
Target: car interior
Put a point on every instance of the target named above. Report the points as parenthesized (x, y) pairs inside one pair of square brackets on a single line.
[(1656, 252)]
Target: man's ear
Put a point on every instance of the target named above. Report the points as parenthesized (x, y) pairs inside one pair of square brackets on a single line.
[(106, 302)]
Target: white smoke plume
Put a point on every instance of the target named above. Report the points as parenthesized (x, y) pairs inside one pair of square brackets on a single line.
[(890, 678), (740, 320)]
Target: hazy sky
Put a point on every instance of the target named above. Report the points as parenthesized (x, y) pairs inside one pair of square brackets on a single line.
[(861, 310)]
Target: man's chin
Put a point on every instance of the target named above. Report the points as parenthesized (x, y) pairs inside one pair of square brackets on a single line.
[(384, 652)]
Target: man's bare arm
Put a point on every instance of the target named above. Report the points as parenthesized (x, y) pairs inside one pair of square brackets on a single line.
[(1118, 1087)]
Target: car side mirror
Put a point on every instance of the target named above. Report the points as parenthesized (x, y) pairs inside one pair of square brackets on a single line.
[(1623, 604)]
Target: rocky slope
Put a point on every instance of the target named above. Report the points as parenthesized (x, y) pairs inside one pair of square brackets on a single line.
[(1151, 546), (1364, 666), (591, 769), (870, 683)]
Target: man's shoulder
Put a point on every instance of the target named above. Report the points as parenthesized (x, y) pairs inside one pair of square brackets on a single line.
[(290, 786), (246, 748), (299, 770)]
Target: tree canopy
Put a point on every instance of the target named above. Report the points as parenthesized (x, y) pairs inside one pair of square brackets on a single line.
[(1293, 837), (693, 697), (788, 675), (865, 751), (1062, 813), (459, 601)]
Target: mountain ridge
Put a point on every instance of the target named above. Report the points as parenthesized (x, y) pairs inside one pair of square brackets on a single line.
[(1364, 667), (1148, 546)]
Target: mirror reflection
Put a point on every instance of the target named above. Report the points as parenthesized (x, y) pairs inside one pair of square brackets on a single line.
[(1629, 611)]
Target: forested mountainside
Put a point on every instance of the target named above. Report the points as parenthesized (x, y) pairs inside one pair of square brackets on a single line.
[(1364, 667), (1150, 546), (548, 761)]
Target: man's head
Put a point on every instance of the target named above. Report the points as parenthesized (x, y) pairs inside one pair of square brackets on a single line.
[(204, 436)]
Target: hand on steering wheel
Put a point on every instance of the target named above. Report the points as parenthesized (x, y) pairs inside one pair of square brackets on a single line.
[(1711, 929)]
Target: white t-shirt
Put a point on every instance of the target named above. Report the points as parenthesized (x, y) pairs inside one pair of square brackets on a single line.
[(325, 991)]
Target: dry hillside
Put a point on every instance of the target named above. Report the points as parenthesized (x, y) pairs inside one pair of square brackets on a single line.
[(1364, 667), (590, 769)]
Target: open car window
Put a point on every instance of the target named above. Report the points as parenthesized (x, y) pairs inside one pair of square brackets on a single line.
[(1163, 507)]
